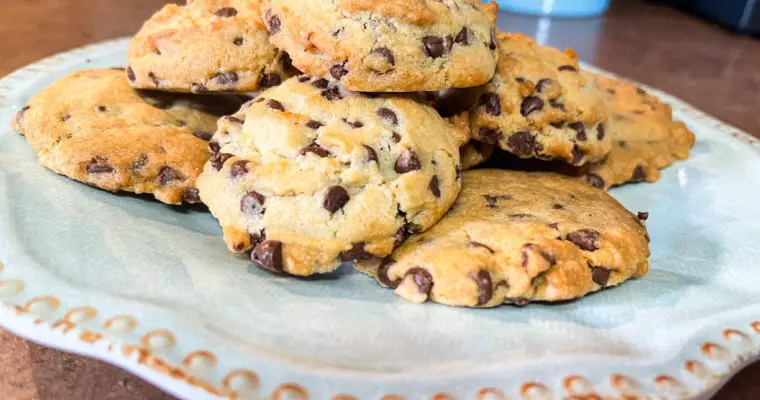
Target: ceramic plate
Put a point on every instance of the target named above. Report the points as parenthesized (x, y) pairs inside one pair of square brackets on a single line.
[(151, 288)]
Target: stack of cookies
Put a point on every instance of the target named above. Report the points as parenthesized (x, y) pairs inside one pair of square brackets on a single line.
[(364, 144)]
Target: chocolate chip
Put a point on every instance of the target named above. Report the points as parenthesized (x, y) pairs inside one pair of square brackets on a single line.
[(154, 78), (332, 94), (384, 52), (314, 124), (584, 239), (531, 104), (252, 203), (65, 117), (202, 134), (232, 119), (492, 200), (191, 196), (646, 236), (98, 165), (353, 124), (580, 130), (611, 91), (528, 247), (20, 115), (316, 149), (600, 131), (554, 226), (638, 174), (356, 252), (238, 41), (557, 125), (542, 84), (433, 46), (371, 153), (577, 154), (131, 74), (492, 43), (214, 147), (387, 115), (463, 37), (422, 279), (458, 170), (102, 108), (523, 144), (218, 160), (270, 80), (521, 216), (399, 237), (274, 24), (239, 168), (275, 105), (490, 136), (413, 228), (520, 301), (382, 274), (226, 12), (567, 68), (286, 62), (407, 162), (434, 187), (485, 288), (303, 79), (338, 71), (642, 216), (321, 83), (520, 80), (166, 175), (595, 180), (492, 103), (198, 88), (396, 137), (481, 245), (226, 78), (268, 255), (558, 207), (335, 198), (557, 105), (600, 275)]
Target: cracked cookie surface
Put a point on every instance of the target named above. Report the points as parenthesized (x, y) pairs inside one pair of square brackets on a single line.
[(645, 138), (91, 126), (387, 46), (206, 46), (516, 237), (540, 105), (308, 175)]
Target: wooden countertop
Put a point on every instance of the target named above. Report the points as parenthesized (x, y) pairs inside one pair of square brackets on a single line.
[(708, 67)]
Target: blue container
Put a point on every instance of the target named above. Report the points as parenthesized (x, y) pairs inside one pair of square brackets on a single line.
[(557, 8)]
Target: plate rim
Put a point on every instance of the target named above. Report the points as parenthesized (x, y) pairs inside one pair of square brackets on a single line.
[(63, 334)]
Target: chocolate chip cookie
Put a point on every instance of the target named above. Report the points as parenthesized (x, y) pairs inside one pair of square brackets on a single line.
[(644, 137), (206, 46), (309, 175), (540, 105), (93, 127), (387, 46), (516, 237)]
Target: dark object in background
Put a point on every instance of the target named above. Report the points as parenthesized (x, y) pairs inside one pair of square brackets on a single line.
[(739, 15)]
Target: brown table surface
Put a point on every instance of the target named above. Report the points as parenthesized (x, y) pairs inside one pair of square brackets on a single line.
[(712, 69)]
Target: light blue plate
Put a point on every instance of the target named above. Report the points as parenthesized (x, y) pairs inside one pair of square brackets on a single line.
[(152, 288)]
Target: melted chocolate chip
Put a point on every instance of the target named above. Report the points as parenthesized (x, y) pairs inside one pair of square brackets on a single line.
[(332, 94), (557, 125), (528, 247), (433, 46), (463, 37), (422, 279), (482, 246), (531, 104), (191, 196), (238, 41), (580, 130), (214, 147), (198, 88), (131, 74), (490, 136), (316, 149), (314, 124), (226, 12), (399, 237), (543, 84), (239, 168), (371, 153), (584, 239), (485, 287), (353, 124), (458, 170), (98, 165), (203, 135), (523, 144), (321, 83), (407, 162), (226, 78), (558, 207), (600, 131), (166, 175), (600, 275), (396, 137), (335, 198), (435, 187), (356, 252), (270, 80), (492, 103), (338, 71), (268, 255), (567, 68), (638, 174), (387, 115), (642, 216), (274, 24), (218, 160), (557, 105), (577, 154), (382, 274), (595, 180), (154, 78), (275, 105), (252, 203), (492, 43), (385, 53)]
